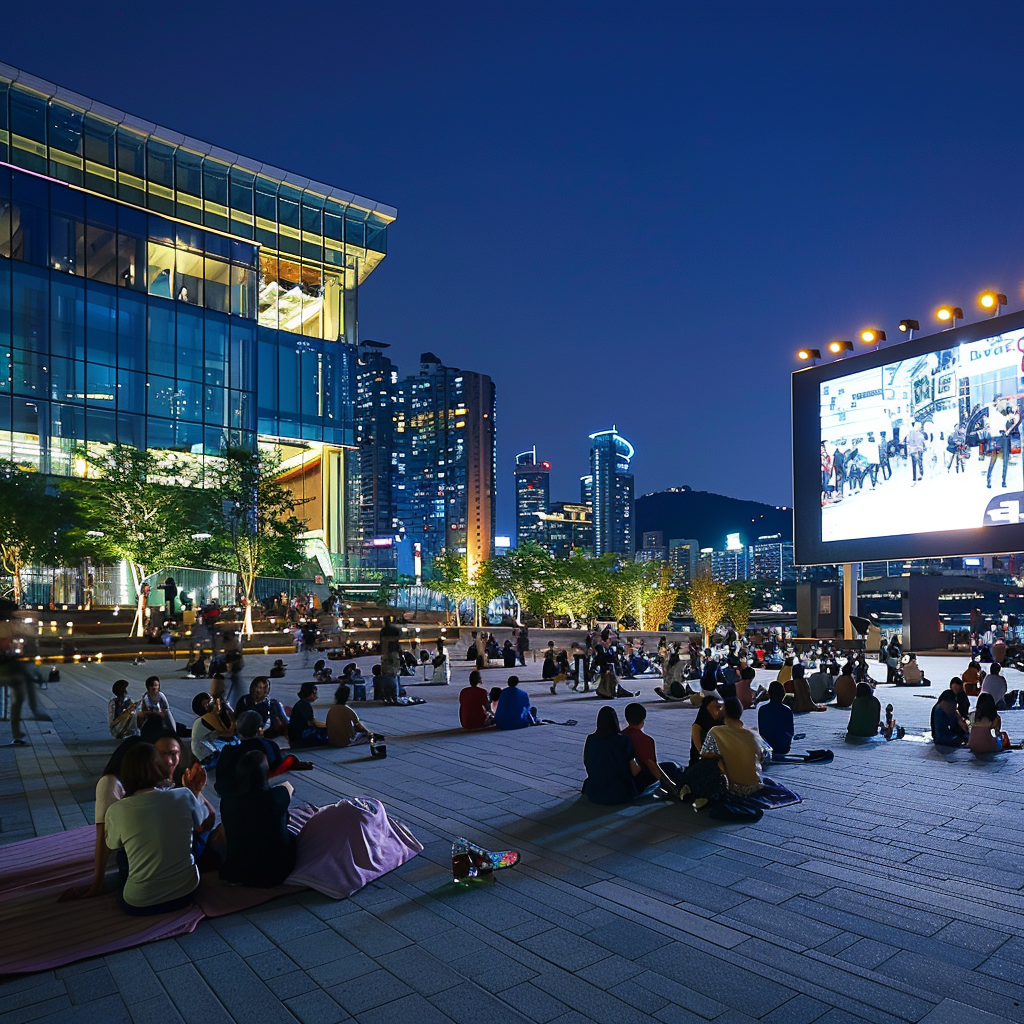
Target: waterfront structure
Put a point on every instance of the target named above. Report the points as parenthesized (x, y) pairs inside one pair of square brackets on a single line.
[(444, 431), (612, 492), (159, 292), (565, 529), (533, 494)]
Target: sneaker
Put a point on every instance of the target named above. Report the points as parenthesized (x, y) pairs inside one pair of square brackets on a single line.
[(19, 742), (661, 693), (900, 732), (552, 688)]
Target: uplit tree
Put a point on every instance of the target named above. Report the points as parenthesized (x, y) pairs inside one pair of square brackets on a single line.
[(138, 507), (708, 601), (523, 572), (739, 605), (484, 587), (450, 579), (659, 596), (576, 586), (252, 514)]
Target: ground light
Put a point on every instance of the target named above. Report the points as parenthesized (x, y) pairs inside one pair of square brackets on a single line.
[(949, 314), (838, 347), (909, 326), (991, 302), (871, 335)]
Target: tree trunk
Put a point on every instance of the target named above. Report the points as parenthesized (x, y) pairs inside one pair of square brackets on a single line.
[(17, 583)]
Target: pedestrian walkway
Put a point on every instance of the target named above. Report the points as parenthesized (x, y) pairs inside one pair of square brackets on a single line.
[(894, 892)]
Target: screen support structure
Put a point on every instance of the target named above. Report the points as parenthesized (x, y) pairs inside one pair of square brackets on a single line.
[(851, 574)]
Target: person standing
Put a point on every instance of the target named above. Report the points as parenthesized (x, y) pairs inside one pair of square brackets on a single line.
[(523, 644), (1003, 421), (839, 469), (883, 456), (915, 449)]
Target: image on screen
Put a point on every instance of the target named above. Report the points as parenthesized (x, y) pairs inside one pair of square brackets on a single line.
[(925, 444)]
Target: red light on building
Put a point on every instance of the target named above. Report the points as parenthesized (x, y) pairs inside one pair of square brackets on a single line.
[(546, 465)]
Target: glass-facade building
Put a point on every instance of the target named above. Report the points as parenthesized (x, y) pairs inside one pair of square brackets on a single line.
[(611, 490), (159, 292), (533, 495)]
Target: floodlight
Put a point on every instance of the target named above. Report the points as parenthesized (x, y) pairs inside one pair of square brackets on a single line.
[(870, 335), (808, 354), (909, 326), (949, 314), (991, 302), (835, 347)]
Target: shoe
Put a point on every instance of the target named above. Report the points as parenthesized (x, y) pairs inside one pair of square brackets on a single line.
[(19, 742), (552, 689), (661, 693), (699, 803), (900, 732), (636, 693)]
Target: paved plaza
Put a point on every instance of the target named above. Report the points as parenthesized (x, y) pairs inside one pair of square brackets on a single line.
[(893, 892)]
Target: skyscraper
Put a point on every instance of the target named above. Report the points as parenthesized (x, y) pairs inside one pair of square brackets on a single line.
[(566, 528), (532, 494), (612, 489), (378, 461), (445, 430)]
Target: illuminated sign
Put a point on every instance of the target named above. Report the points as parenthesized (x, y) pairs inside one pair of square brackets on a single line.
[(383, 542), (732, 542)]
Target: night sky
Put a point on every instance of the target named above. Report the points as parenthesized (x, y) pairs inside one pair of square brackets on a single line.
[(625, 213)]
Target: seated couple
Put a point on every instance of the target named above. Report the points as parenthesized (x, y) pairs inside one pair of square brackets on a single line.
[(866, 717), (512, 709), (622, 765), (342, 727)]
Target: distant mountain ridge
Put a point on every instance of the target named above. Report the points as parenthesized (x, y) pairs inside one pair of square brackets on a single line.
[(683, 513)]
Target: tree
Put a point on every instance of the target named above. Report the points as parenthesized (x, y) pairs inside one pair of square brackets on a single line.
[(739, 605), (708, 601), (33, 517), (485, 586), (253, 517), (577, 585), (523, 573), (659, 596), (623, 590), (450, 579), (130, 506)]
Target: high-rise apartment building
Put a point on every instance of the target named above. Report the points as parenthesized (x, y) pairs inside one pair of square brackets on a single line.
[(159, 292), (652, 547), (683, 557), (377, 464), (770, 558), (566, 528), (444, 429), (612, 490), (533, 494)]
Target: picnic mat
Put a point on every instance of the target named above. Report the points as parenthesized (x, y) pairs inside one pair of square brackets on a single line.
[(342, 848), (37, 933)]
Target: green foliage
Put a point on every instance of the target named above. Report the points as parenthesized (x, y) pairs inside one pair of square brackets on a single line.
[(708, 601), (739, 604), (451, 579), (145, 507)]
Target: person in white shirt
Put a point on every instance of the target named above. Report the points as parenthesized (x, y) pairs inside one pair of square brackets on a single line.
[(154, 705), (995, 684), (121, 712)]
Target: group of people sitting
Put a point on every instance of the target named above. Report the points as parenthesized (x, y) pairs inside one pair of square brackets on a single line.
[(951, 721), (505, 707)]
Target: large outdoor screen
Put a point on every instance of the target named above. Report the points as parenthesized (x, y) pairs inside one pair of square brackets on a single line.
[(914, 450)]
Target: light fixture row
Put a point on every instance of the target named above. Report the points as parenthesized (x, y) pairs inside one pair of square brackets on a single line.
[(989, 301)]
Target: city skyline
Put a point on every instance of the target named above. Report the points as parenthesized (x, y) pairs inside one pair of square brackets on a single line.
[(697, 214)]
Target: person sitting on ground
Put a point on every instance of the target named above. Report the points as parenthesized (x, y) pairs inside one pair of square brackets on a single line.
[(820, 685), (866, 716), (260, 849), (738, 751), (494, 696), (912, 674), (609, 759), (350, 674), (666, 774), (508, 655), (197, 669), (155, 828), (799, 698), (987, 736), (220, 702), (209, 736), (277, 669), (343, 726), (949, 729), (608, 688), (712, 680), (258, 699), (746, 692), (321, 672), (708, 716), (846, 687), (785, 674), (995, 684), (972, 677), (250, 735), (775, 721), (963, 702), (472, 649), (474, 707), (513, 710), (121, 712), (304, 729)]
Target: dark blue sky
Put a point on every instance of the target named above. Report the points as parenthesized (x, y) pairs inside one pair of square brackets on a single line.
[(623, 213)]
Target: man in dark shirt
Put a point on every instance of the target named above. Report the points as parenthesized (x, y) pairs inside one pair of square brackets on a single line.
[(666, 773), (249, 728), (303, 728), (775, 721)]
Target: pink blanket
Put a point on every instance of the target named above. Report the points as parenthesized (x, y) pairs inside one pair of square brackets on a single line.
[(342, 847)]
